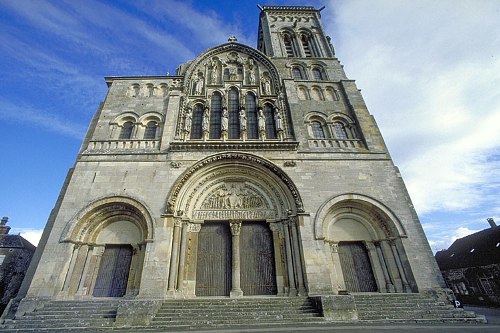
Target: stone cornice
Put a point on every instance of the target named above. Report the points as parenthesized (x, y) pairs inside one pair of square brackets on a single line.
[(260, 145)]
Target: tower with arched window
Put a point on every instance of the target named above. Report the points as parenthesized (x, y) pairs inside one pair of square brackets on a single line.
[(250, 172)]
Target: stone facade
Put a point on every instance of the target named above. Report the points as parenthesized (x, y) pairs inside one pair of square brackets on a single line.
[(275, 142)]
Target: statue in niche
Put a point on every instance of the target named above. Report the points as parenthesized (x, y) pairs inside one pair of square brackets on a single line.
[(233, 73), (214, 71), (278, 121), (251, 77), (200, 82), (261, 121), (205, 121), (250, 72), (225, 119), (188, 121), (266, 85), (243, 120)]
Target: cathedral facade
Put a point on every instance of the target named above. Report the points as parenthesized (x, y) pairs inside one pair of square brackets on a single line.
[(252, 171)]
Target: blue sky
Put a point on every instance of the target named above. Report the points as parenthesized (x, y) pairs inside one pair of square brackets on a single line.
[(429, 72)]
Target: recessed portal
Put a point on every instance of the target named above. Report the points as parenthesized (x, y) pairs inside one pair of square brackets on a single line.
[(356, 267), (113, 271)]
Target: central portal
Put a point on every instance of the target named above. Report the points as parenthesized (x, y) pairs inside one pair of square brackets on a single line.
[(215, 263)]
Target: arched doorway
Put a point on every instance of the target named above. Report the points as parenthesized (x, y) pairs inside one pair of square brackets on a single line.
[(363, 238), (109, 241), (237, 229)]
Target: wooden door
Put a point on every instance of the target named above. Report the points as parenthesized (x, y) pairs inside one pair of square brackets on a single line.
[(113, 271), (213, 271), (258, 276), (356, 267)]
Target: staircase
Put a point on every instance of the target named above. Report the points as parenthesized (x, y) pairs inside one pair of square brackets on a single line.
[(409, 308), (225, 313), (64, 315)]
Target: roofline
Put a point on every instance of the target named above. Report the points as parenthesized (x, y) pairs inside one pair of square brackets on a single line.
[(110, 79)]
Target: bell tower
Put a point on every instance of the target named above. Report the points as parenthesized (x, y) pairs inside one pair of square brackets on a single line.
[(292, 32)]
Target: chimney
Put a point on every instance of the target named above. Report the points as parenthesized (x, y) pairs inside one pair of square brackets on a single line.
[(491, 222), (4, 230)]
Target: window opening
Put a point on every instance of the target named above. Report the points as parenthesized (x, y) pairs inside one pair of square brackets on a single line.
[(150, 132), (126, 132), (340, 131), (197, 120), (215, 116), (270, 124), (251, 110), (317, 130), (297, 73), (234, 113)]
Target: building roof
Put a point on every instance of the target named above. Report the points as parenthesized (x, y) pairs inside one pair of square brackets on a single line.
[(479, 249), (15, 241)]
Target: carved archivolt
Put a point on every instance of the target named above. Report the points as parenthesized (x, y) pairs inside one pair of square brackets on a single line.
[(231, 62), (85, 226), (376, 217), (234, 186)]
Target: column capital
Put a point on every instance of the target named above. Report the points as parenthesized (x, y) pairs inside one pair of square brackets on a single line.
[(194, 227), (235, 227)]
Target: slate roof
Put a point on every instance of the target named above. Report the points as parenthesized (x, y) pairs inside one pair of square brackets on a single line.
[(479, 249), (15, 241)]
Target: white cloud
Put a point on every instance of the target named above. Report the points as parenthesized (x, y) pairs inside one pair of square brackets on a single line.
[(430, 74), (31, 235), (447, 238)]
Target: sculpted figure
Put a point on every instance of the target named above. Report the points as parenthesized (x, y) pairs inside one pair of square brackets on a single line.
[(251, 77), (225, 120), (266, 85), (261, 122), (189, 121), (214, 71), (278, 121), (199, 85), (243, 120), (205, 121)]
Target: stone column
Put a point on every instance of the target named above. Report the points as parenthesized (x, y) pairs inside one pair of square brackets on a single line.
[(339, 276), (81, 289), (388, 284), (297, 257), (391, 265), (182, 258), (292, 291), (194, 229), (76, 277), (236, 283), (278, 260), (377, 268), (174, 257), (406, 286), (71, 267)]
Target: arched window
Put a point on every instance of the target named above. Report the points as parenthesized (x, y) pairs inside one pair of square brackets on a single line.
[(234, 114), (340, 131), (251, 110), (197, 120), (297, 73), (126, 132), (215, 116), (287, 40), (306, 46), (317, 130), (317, 75), (150, 132), (270, 124)]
